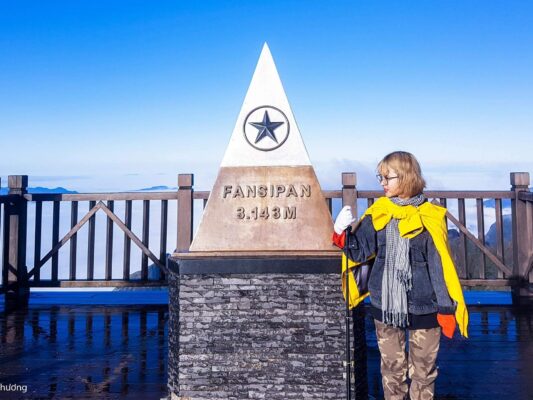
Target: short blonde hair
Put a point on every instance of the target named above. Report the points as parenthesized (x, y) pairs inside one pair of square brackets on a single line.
[(405, 164)]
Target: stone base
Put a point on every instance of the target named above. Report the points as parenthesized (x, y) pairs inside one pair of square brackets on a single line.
[(253, 336)]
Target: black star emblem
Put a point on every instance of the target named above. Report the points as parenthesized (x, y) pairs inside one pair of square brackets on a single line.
[(266, 128)]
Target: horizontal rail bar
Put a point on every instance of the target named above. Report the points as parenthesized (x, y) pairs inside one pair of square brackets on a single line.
[(448, 194), (6, 198), (332, 194), (364, 194), (525, 196), (488, 282), (204, 195), (102, 196), (471, 194), (481, 247), (96, 283)]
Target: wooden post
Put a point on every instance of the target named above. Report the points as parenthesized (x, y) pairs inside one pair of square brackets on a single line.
[(14, 262), (349, 191), (185, 212), (359, 345), (522, 237)]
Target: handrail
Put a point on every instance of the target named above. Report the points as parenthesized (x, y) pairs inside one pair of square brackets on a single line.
[(473, 272), (525, 196), (335, 194), (6, 198), (118, 196)]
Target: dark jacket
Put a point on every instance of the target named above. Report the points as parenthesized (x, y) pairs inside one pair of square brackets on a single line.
[(428, 293)]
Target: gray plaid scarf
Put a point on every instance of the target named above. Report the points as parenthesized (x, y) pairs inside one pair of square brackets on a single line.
[(397, 270)]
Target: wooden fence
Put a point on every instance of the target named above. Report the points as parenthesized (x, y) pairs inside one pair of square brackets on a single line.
[(498, 265)]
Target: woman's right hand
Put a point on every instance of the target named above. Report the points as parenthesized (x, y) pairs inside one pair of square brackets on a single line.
[(344, 219)]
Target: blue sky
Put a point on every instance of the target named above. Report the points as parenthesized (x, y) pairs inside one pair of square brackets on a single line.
[(118, 95)]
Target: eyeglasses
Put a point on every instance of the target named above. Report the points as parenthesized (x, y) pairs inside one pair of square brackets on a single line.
[(385, 179)]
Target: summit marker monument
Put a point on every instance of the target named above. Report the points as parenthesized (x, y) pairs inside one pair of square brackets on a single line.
[(266, 195), (255, 304)]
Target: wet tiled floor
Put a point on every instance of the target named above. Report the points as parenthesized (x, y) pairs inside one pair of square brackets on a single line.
[(120, 351)]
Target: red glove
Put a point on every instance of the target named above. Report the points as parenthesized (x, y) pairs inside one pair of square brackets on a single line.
[(339, 240), (447, 323)]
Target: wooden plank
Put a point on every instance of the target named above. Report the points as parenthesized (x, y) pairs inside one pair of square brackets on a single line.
[(444, 203), (499, 235), (91, 241), (201, 194), (2, 244), (449, 194), (163, 234), (55, 240), (481, 235), (5, 246), (470, 194), (9, 198), (349, 191), (487, 282), (185, 211), (145, 238), (329, 205), (133, 237), (483, 248), (522, 231), (122, 196), (65, 239), (109, 243), (73, 240), (331, 194), (97, 283), (525, 196), (370, 194), (38, 235), (462, 256), (127, 241)]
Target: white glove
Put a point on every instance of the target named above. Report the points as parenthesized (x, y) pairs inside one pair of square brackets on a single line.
[(344, 219)]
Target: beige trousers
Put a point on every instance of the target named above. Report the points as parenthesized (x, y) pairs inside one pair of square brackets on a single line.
[(419, 365)]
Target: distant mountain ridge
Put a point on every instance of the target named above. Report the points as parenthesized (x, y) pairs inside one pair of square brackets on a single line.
[(41, 190), (156, 188)]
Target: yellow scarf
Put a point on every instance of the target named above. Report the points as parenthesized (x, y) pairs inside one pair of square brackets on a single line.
[(412, 221)]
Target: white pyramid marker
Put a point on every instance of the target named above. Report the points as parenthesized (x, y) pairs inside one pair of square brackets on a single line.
[(265, 89), (266, 196)]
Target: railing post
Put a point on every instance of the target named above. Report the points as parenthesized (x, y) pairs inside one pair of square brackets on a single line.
[(522, 237), (185, 212), (359, 347), (349, 191), (15, 228)]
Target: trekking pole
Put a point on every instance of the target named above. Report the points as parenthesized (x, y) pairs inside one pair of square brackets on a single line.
[(348, 357)]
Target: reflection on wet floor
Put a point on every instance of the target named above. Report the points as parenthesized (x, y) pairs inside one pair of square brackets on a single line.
[(94, 351), (100, 352)]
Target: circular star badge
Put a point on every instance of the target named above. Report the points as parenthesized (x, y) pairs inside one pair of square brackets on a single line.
[(266, 128)]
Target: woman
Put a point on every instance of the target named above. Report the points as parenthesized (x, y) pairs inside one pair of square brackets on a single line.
[(413, 284)]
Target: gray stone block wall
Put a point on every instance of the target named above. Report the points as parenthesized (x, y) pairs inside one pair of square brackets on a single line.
[(173, 332), (275, 336)]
